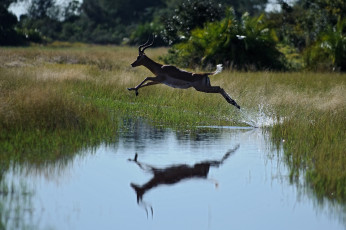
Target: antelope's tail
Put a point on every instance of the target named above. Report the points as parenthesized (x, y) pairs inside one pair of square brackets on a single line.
[(218, 70)]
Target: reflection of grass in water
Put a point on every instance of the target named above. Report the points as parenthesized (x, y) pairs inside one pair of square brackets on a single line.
[(55, 101), (307, 114), (15, 206), (314, 143)]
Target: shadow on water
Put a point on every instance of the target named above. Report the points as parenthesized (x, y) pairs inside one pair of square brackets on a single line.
[(174, 174)]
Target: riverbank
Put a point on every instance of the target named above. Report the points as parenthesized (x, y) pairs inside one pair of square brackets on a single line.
[(54, 101)]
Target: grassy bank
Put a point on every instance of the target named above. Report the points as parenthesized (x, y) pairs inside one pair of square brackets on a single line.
[(54, 101)]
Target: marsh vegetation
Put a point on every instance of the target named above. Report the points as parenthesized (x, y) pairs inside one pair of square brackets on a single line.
[(62, 99), (55, 101)]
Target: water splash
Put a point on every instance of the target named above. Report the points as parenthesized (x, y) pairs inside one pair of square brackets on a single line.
[(260, 118)]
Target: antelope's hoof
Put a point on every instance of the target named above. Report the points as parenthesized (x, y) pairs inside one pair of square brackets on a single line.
[(232, 102), (129, 89), (235, 104)]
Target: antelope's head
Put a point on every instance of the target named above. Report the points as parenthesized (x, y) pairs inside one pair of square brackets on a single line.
[(141, 55)]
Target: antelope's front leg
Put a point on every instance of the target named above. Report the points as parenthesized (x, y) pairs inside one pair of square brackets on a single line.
[(140, 85), (136, 90)]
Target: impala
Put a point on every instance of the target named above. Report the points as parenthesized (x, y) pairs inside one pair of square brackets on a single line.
[(176, 78)]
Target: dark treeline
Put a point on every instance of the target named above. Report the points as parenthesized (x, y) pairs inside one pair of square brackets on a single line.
[(303, 34), (111, 21)]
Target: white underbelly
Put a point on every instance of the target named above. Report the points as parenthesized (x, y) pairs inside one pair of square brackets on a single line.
[(178, 84)]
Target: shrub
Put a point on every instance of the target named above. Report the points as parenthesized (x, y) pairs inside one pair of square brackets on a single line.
[(329, 52), (245, 44)]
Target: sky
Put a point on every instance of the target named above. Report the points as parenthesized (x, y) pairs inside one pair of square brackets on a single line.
[(18, 8)]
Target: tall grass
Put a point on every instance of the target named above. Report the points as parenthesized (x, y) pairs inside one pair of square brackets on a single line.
[(310, 110), (54, 101)]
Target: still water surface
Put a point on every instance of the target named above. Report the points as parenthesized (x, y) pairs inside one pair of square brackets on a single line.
[(211, 178)]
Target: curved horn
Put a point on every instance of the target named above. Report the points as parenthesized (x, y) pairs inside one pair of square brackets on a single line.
[(151, 44), (143, 45)]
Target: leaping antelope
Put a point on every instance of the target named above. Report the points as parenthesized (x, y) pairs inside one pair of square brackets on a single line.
[(177, 78)]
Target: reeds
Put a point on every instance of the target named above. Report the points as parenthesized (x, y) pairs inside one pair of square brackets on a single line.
[(54, 101), (310, 111)]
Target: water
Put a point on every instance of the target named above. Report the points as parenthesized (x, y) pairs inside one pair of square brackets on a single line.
[(211, 178), (259, 118)]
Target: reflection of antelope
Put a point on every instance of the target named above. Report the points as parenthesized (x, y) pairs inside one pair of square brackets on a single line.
[(176, 173), (176, 78)]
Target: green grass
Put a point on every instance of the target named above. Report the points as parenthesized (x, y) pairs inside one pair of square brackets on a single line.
[(56, 101)]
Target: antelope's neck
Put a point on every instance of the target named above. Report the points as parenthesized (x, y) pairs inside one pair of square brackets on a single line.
[(154, 67)]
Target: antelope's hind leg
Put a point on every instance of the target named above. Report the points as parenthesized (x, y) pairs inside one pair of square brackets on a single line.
[(228, 98), (218, 89)]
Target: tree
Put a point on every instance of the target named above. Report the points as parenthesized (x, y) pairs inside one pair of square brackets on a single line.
[(42, 9), (6, 3), (43, 21), (8, 34), (72, 11), (189, 15), (332, 9), (126, 12), (253, 7), (314, 29), (110, 21)]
